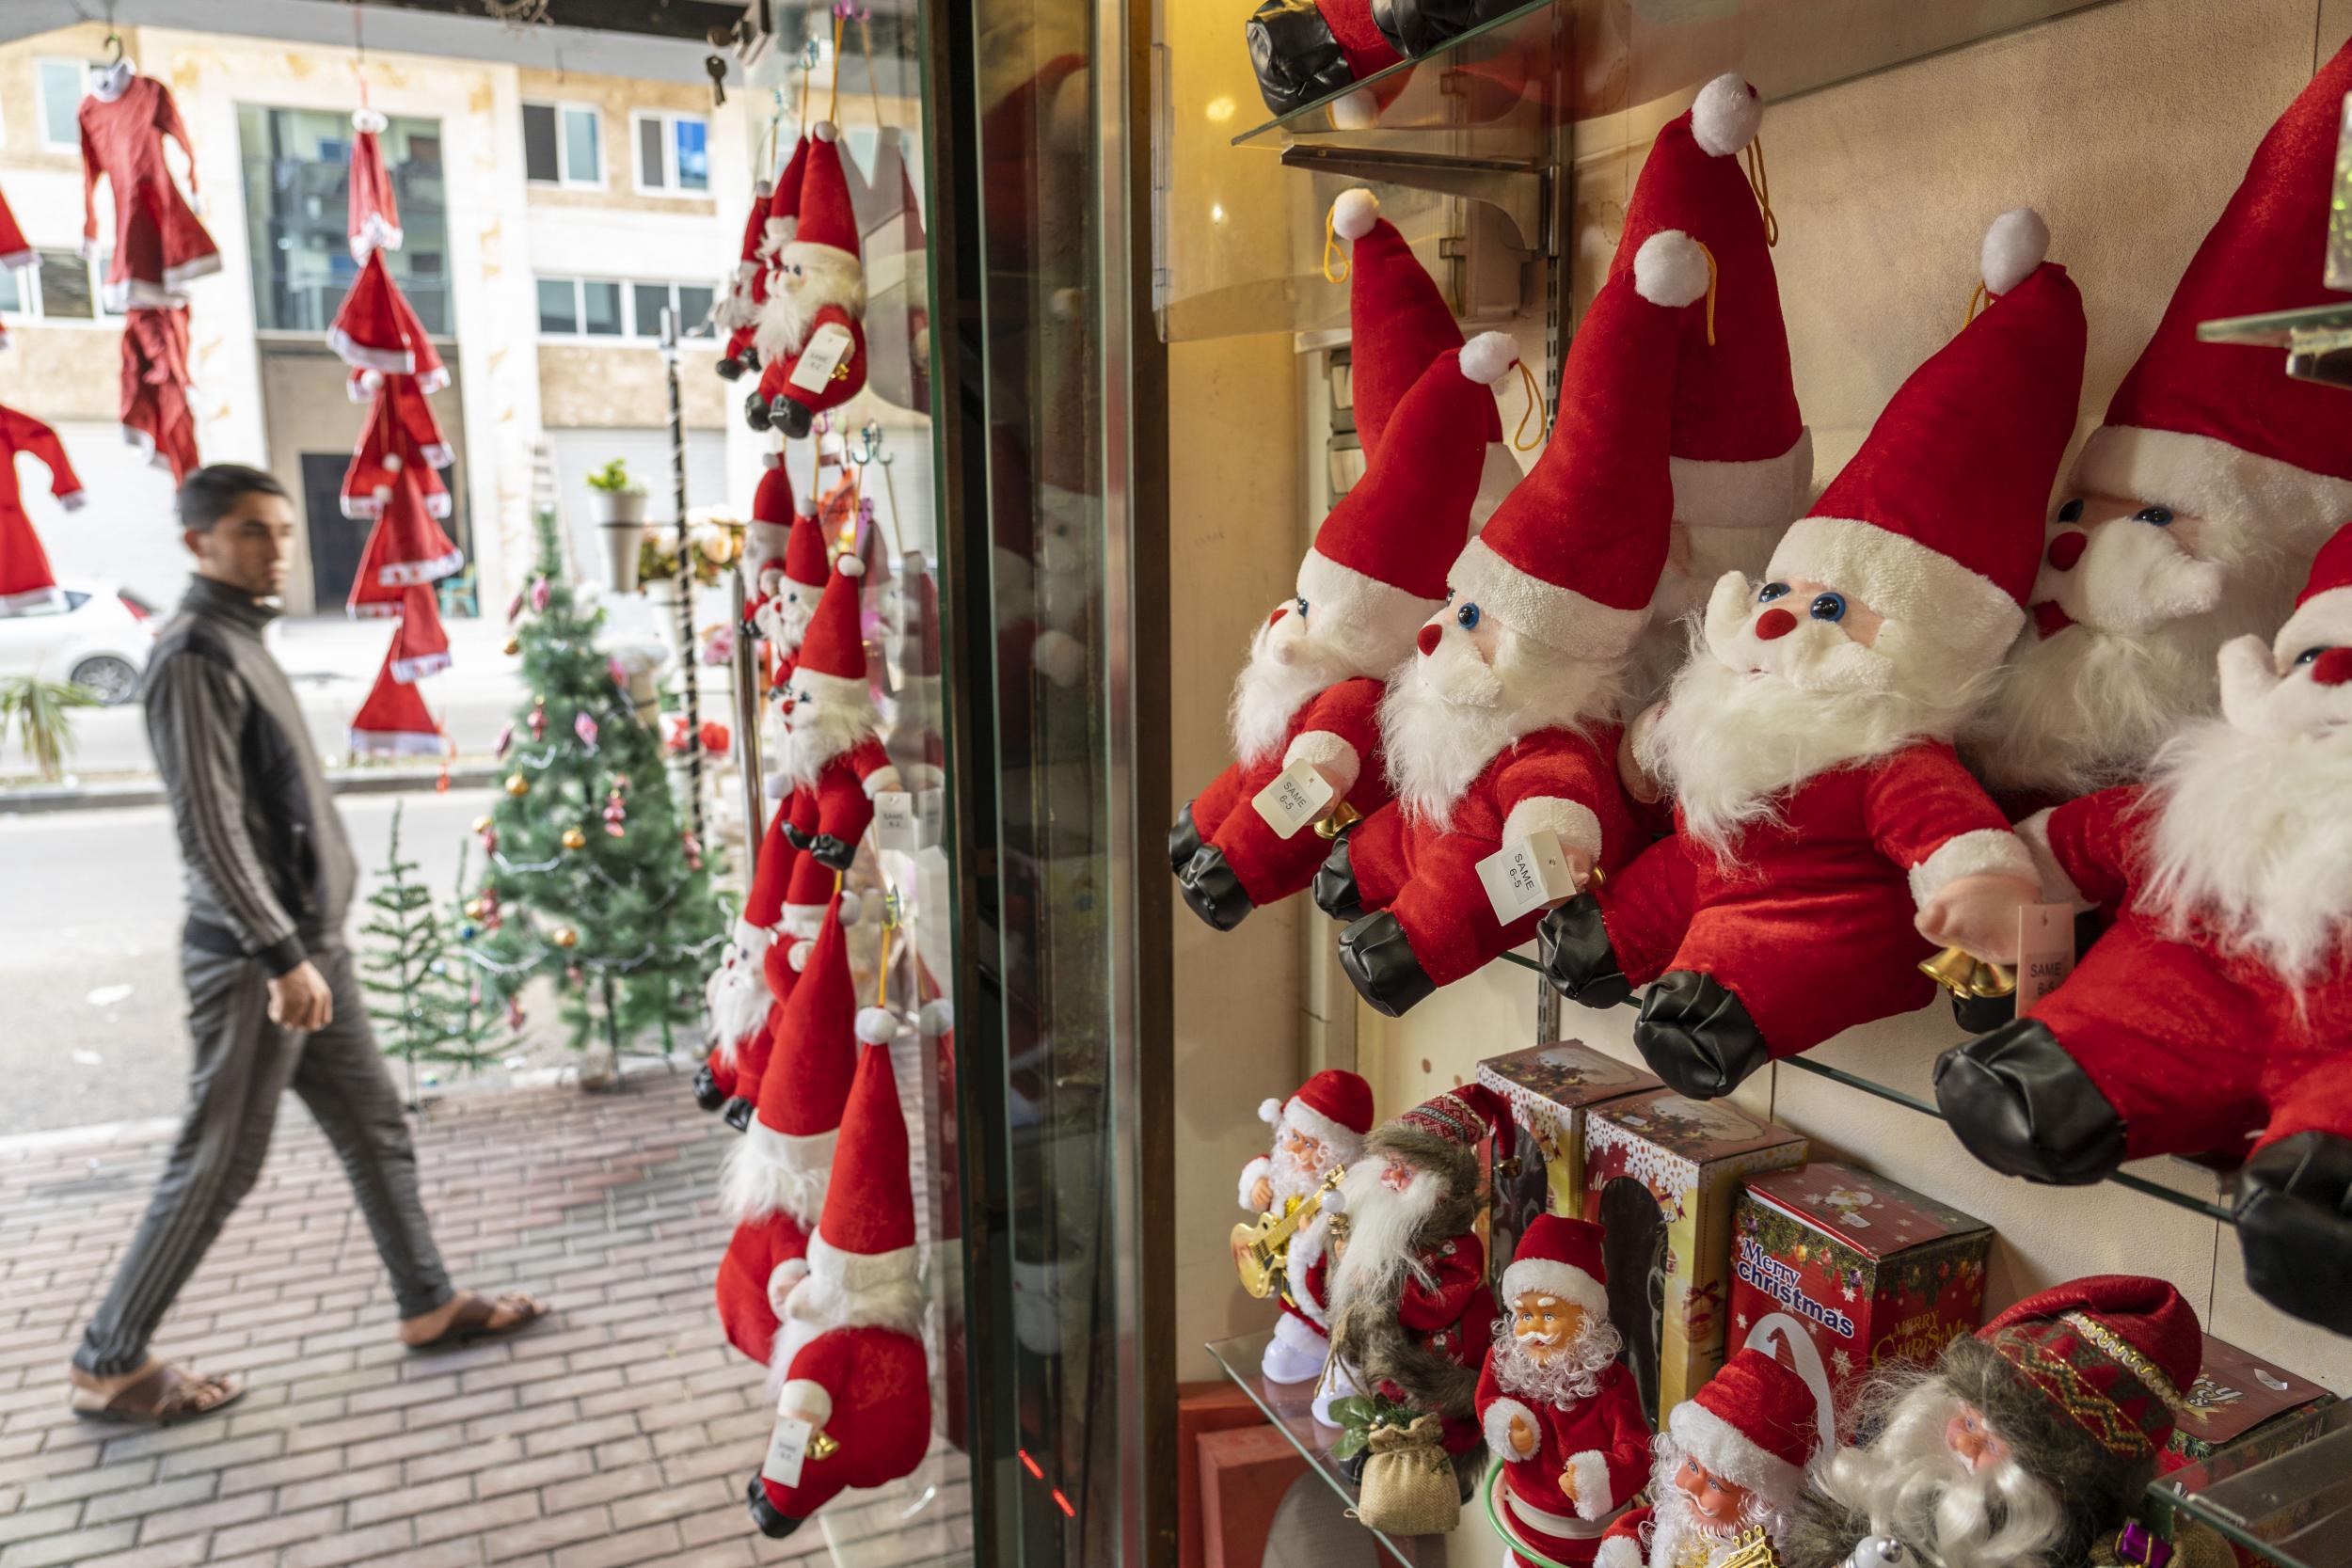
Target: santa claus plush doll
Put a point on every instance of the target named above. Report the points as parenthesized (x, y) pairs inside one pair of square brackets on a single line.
[(1410, 1311), (2023, 1443), (1317, 1131), (775, 215), (1557, 1406), (1740, 454), (2194, 507), (848, 1361), (1732, 1460), (812, 324), (1503, 726), (834, 757), (2218, 1007), (1827, 837)]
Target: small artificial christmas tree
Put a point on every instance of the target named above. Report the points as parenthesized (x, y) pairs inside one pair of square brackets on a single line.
[(431, 1008), (593, 880)]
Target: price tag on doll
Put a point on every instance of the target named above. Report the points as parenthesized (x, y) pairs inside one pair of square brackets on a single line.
[(1297, 795), (788, 1451), (895, 823), (827, 348), (1526, 874), (2046, 950)]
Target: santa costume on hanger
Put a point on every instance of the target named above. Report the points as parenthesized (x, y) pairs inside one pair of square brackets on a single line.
[(2195, 506), (16, 252), (26, 579), (157, 416), (159, 246), (849, 1357), (1317, 1131), (812, 325), (1827, 838), (2214, 1015), (1504, 725), (1740, 454)]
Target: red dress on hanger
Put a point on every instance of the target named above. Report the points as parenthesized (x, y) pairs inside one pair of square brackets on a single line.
[(25, 575), (157, 415), (160, 247)]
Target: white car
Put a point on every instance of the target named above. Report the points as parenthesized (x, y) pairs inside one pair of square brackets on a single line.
[(93, 635)]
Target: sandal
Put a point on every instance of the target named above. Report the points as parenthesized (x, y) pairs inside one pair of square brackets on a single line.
[(471, 1322), (165, 1397)]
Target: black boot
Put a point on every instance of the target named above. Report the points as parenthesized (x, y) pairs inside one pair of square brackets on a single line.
[(2017, 1102), (794, 418), (1294, 54), (730, 368), (1697, 1036), (706, 1091), (1335, 884), (1577, 958), (772, 1521), (2295, 1222), (738, 1113), (1379, 963), (1982, 1014), (1212, 890), (755, 412), (1184, 840), (1417, 27)]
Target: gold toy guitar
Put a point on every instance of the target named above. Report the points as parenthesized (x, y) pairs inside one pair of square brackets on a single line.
[(1754, 1549), (1259, 1245)]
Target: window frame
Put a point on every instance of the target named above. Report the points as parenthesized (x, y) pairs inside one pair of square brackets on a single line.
[(40, 101), (630, 335), (34, 311), (564, 180), (668, 119)]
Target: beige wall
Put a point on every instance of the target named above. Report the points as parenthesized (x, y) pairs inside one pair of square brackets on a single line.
[(615, 98), (64, 372), (584, 387)]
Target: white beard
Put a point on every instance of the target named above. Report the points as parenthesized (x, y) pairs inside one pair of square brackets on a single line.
[(1289, 1177), (2251, 850), (1572, 1374), (784, 619), (1446, 715), (1674, 1524), (1679, 606), (1911, 1485), (1288, 667), (820, 730), (1384, 1235), (791, 308)]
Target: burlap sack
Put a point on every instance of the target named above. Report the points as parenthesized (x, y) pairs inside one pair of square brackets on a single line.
[(1408, 1486)]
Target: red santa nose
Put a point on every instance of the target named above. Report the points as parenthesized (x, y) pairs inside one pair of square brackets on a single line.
[(1774, 622), (1279, 611), (2332, 668), (1427, 640), (2067, 548)]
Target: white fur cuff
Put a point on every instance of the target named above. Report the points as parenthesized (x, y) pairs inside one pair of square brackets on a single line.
[(2250, 505), (1560, 618), (1986, 851), (1762, 492), (1329, 753), (1590, 1470), (1545, 1277), (1619, 1551), (880, 781), (2056, 886), (1577, 828), (781, 1280), (1498, 1424), (805, 1398), (1260, 1166)]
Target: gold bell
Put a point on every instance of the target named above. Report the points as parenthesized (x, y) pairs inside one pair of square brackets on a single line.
[(1342, 818), (823, 1446), (1968, 977)]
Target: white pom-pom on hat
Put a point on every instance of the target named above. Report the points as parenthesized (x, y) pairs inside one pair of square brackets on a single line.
[(1670, 269), (1488, 357), (391, 461), (1725, 115), (2013, 246), (1354, 212), (1269, 1110), (383, 494), (797, 954), (850, 567), (825, 130), (852, 907), (369, 119), (938, 1017), (877, 1025), (771, 460)]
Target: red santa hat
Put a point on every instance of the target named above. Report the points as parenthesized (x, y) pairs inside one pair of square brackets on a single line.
[(805, 559), (1936, 523), (2323, 610), (1572, 559), (394, 721), (16, 251), (1398, 323), (421, 646), (408, 545), (834, 647), (2114, 1355), (784, 201), (1463, 1117), (370, 596), (827, 217), (374, 210), (367, 330), (782, 1163), (1756, 1424), (2213, 430), (1334, 1108), (771, 501), (1559, 1256), (1740, 454)]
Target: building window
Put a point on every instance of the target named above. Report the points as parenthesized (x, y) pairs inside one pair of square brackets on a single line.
[(63, 286), (62, 85), (563, 145), (692, 301), (297, 202), (673, 153), (599, 308)]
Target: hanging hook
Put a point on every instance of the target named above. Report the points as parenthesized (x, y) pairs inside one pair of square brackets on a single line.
[(870, 444)]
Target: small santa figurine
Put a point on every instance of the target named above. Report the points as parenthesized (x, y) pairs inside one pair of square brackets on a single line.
[(1557, 1406), (2193, 508), (1410, 1311), (835, 756), (1828, 839), (2026, 1443), (2217, 1008), (1732, 1460), (1317, 1131), (1503, 725), (812, 325)]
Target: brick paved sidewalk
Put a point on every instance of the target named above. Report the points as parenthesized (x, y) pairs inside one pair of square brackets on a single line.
[(620, 1433)]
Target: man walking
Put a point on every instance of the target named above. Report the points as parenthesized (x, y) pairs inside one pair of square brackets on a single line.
[(272, 1001)]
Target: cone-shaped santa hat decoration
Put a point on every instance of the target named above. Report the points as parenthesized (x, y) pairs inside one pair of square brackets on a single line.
[(1398, 323), (377, 329), (1754, 1423), (394, 721), (401, 433), (1936, 523), (781, 1163), (421, 645), (784, 203), (835, 648), (870, 1209), (374, 210), (826, 216), (406, 545)]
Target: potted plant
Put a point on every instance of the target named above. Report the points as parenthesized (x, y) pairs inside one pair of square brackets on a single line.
[(621, 513)]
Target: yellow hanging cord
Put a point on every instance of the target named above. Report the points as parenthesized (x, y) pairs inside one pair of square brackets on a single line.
[(1711, 292), (833, 100), (1330, 249), (1761, 184), (1978, 299), (1534, 411), (881, 963)]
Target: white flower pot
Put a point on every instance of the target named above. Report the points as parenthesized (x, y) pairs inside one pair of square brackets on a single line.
[(621, 517)]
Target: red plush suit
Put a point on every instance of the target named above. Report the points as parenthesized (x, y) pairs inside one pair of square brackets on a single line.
[(1812, 928), (843, 799), (880, 1381), (1452, 1316), (1269, 866), (159, 246), (25, 575), (747, 1310), (157, 415), (1427, 876), (846, 380), (1602, 1442)]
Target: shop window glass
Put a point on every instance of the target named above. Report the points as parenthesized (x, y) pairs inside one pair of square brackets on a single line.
[(297, 172)]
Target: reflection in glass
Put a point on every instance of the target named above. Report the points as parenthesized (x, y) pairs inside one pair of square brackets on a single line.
[(297, 170)]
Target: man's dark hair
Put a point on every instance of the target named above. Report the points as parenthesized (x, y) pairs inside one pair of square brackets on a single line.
[(210, 494)]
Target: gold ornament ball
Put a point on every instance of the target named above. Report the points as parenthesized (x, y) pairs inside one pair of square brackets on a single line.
[(482, 824), (567, 937), (513, 646), (517, 785), (473, 909), (575, 839)]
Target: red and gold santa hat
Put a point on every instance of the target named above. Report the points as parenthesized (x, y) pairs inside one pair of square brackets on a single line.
[(2113, 1354), (781, 1164), (1334, 1108), (1936, 523), (1559, 1256), (2211, 430)]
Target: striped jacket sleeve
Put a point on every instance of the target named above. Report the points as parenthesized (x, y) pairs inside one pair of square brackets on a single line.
[(195, 709)]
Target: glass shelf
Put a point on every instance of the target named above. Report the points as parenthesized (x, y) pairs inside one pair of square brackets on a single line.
[(2316, 327), (1290, 1407), (2295, 1508)]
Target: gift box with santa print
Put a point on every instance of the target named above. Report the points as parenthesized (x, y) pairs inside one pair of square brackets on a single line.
[(1875, 1272), (1662, 1174), (1549, 1089)]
